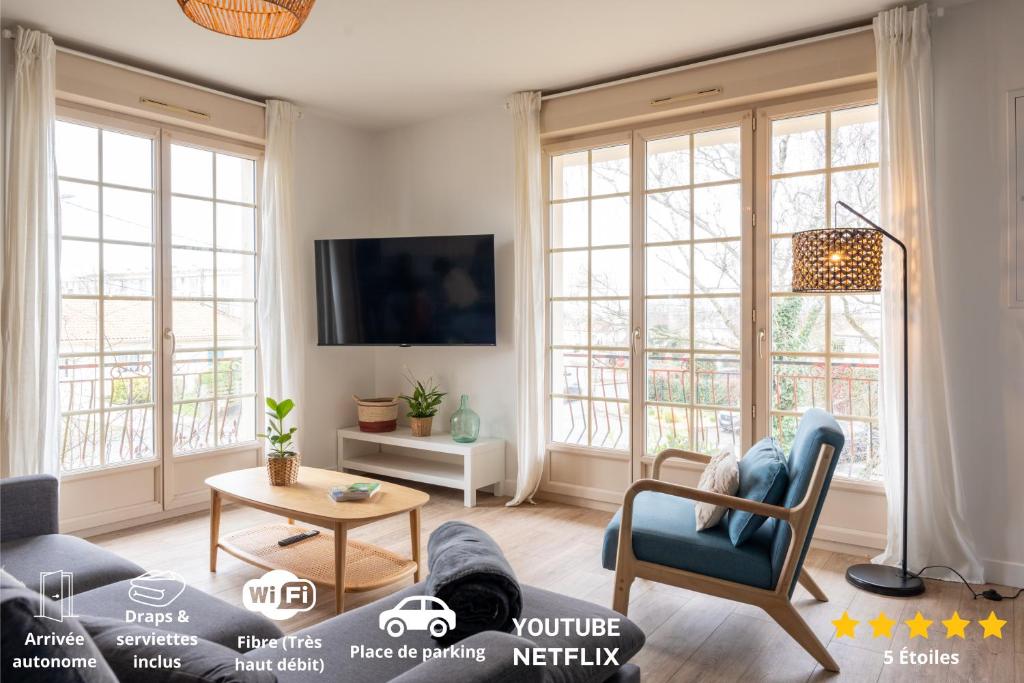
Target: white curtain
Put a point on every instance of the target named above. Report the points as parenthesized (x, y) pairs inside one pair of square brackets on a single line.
[(529, 297), (30, 424), (282, 327), (937, 533)]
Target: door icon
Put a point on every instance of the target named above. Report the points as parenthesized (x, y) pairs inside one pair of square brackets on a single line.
[(59, 587)]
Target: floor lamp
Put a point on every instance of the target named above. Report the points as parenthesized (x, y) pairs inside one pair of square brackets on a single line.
[(850, 260)]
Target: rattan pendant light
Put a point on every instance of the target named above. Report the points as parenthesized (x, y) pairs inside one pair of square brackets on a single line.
[(255, 19)]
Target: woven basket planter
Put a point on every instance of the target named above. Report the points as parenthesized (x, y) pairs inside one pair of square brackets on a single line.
[(421, 426), (377, 414), (283, 471)]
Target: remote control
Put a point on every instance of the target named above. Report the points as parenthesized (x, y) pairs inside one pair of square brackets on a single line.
[(298, 537)]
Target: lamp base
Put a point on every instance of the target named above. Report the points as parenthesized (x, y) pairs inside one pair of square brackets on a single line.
[(884, 580)]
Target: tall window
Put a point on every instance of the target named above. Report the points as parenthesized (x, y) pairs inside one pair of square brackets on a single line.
[(141, 254), (824, 347)]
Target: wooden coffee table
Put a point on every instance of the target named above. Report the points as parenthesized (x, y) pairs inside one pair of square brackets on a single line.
[(329, 559)]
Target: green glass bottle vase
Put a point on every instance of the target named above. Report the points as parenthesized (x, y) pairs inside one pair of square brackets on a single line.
[(465, 423)]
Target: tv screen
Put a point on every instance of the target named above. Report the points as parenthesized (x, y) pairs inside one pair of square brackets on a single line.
[(405, 291)]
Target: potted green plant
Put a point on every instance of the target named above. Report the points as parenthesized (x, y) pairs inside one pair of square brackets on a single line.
[(282, 461), (423, 405)]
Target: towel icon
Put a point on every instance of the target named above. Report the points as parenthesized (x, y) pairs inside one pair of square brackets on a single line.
[(157, 588)]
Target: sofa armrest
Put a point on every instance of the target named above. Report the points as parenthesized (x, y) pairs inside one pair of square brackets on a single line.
[(29, 506), (498, 666)]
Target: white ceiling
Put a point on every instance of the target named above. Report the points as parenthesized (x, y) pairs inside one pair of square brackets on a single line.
[(382, 63)]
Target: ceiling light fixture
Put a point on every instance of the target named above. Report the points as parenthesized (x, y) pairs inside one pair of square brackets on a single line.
[(254, 19)]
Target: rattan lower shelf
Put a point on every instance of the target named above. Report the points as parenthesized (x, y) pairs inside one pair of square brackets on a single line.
[(367, 567)]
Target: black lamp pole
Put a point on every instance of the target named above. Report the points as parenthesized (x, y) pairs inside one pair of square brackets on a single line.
[(878, 578)]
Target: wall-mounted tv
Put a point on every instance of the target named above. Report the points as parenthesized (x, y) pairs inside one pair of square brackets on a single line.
[(405, 291)]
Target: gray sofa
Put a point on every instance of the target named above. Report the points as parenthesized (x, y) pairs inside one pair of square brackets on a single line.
[(30, 544)]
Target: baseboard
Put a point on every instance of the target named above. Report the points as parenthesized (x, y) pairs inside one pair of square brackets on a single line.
[(96, 530), (854, 541), (1004, 572), (578, 501)]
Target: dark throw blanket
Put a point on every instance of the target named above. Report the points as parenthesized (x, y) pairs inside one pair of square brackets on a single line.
[(469, 572)]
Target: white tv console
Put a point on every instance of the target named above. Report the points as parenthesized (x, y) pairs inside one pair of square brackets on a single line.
[(434, 459)]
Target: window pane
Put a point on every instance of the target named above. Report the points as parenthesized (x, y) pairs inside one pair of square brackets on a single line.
[(569, 175), (191, 272), (782, 264), (236, 324), (236, 372), (609, 323), (668, 377), (668, 269), (861, 456), (859, 189), (717, 267), (668, 162), (855, 136), (236, 276), (79, 383), (609, 221), (79, 267), (857, 323), (193, 426), (569, 225), (609, 170), (127, 325), (798, 144), (668, 323), (127, 270), (784, 430), (128, 380), (718, 380), (77, 151), (193, 324), (79, 210), (569, 371), (609, 374), (79, 442), (127, 215), (193, 375), (798, 203), (717, 212), (236, 227), (236, 179), (716, 429), (668, 216), (569, 420), (798, 383), (236, 420), (716, 323), (191, 222), (191, 171), (610, 272), (129, 435), (127, 160), (609, 425), (855, 388), (569, 275), (80, 327), (569, 323), (667, 427), (798, 323), (716, 155)]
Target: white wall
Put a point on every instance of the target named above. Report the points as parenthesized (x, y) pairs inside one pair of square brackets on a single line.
[(978, 55)]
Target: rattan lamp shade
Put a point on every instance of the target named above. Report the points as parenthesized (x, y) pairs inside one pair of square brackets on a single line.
[(255, 19), (837, 260)]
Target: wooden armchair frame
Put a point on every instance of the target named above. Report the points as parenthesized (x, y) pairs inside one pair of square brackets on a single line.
[(775, 602)]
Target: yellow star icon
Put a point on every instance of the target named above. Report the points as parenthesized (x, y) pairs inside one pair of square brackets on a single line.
[(882, 626), (993, 625), (955, 626), (918, 626), (844, 625)]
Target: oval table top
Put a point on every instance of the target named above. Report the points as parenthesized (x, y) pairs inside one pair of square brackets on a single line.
[(309, 495)]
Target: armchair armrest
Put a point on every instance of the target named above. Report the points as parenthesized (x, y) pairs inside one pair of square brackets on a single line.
[(733, 502), (669, 453), (30, 506)]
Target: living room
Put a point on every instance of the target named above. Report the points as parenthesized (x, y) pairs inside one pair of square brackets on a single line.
[(742, 284)]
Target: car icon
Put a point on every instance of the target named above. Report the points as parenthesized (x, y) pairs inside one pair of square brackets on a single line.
[(418, 613)]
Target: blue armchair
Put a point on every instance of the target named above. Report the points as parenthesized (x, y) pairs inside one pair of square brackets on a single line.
[(654, 535)]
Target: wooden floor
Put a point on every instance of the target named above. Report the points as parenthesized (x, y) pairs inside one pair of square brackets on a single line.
[(689, 637)]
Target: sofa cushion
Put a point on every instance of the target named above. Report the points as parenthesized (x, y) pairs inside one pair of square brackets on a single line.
[(158, 656), (360, 627), (763, 479), (499, 667), (92, 566), (19, 607), (209, 618), (664, 532)]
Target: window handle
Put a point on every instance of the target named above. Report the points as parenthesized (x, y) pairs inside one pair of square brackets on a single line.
[(636, 340), (169, 335), (760, 343)]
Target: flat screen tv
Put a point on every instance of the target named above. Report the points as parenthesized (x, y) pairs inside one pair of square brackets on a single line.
[(405, 291)]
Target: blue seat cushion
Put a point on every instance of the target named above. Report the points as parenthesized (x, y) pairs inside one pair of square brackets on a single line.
[(665, 533), (763, 478)]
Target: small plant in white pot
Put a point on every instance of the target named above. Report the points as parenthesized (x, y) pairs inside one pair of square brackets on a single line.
[(424, 403), (282, 461)]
